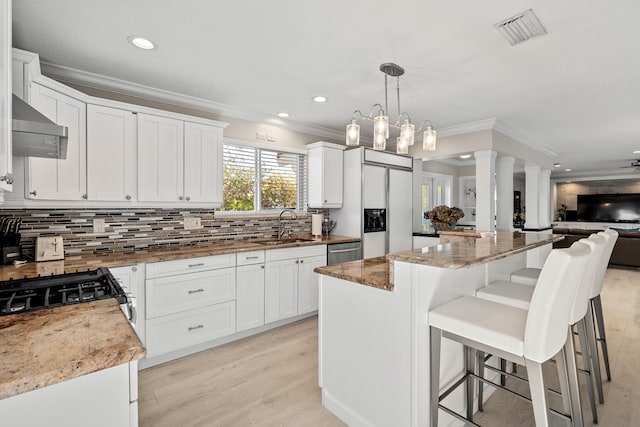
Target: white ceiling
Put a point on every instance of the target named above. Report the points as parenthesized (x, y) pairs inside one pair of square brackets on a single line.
[(575, 90)]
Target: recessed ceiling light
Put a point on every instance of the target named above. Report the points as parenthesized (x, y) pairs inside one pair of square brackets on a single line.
[(557, 165), (636, 152), (465, 156), (319, 99), (283, 114), (567, 170), (568, 182), (141, 42)]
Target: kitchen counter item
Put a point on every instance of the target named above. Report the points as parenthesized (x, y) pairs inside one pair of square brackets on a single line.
[(316, 224)]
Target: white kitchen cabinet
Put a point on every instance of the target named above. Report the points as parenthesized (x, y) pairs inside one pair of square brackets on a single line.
[(308, 283), (59, 179), (325, 174), (6, 165), (189, 302), (179, 161), (160, 159), (250, 303), (131, 279), (287, 276), (100, 399), (111, 154)]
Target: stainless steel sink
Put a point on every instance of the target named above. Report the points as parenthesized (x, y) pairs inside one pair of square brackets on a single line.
[(283, 241)]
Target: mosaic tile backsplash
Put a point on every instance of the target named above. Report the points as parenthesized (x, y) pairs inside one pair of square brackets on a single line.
[(131, 229)]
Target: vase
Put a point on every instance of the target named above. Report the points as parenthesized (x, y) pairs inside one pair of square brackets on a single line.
[(443, 226)]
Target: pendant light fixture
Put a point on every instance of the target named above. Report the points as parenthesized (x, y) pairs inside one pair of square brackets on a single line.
[(381, 123)]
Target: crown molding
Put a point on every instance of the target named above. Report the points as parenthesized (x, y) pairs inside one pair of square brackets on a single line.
[(99, 81), (480, 125)]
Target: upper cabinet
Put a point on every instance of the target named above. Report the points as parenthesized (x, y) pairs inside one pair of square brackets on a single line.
[(179, 161), (6, 169), (325, 175), (111, 154), (59, 179)]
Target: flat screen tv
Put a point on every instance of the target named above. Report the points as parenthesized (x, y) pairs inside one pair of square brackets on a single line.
[(609, 207)]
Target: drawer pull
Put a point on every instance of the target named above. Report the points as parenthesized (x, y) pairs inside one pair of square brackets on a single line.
[(252, 257), (193, 328), (195, 291), (200, 264)]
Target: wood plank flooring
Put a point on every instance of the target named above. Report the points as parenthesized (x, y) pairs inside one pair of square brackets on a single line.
[(271, 379)]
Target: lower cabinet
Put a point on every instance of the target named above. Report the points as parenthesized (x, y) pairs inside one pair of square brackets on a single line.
[(250, 290), (189, 302), (291, 287)]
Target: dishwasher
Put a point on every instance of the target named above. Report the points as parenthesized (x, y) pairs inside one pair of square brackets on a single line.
[(343, 252)]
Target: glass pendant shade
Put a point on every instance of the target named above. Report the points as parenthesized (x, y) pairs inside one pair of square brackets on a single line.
[(407, 132), (429, 139), (402, 147), (379, 141), (381, 125), (353, 133)]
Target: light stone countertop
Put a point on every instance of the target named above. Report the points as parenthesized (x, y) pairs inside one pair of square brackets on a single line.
[(76, 263), (49, 346), (378, 272)]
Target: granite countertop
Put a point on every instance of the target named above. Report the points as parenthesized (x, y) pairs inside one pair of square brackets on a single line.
[(475, 251), (72, 264), (377, 272), (372, 272), (49, 346)]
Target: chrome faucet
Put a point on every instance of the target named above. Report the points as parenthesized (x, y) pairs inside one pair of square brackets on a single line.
[(294, 216)]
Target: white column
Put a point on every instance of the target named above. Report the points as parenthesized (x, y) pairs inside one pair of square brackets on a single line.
[(485, 190), (504, 187), (532, 190), (544, 211)]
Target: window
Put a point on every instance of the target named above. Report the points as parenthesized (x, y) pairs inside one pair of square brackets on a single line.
[(436, 190), (257, 179)]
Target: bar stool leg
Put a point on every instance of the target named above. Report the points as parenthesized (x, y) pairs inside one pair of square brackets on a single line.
[(597, 304), (468, 386), (480, 369), (584, 348), (593, 350), (574, 386), (434, 356), (561, 366), (538, 393), (503, 368)]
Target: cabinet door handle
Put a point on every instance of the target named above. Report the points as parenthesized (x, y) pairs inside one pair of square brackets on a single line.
[(200, 264), (301, 261), (33, 193), (262, 266), (84, 196), (134, 269), (8, 178), (195, 291), (325, 200), (193, 328), (128, 197), (297, 261), (188, 198), (180, 197)]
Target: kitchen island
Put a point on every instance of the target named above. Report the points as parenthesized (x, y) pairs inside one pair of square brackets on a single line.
[(373, 324)]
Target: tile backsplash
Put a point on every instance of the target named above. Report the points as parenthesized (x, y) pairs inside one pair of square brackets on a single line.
[(144, 228)]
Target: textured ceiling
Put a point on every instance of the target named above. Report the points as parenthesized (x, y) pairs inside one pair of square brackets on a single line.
[(575, 90)]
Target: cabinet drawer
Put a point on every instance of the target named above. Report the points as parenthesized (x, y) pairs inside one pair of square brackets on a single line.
[(181, 266), (293, 253), (169, 295), (177, 331), (253, 257)]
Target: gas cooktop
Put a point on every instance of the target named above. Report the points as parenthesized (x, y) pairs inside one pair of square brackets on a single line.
[(19, 296)]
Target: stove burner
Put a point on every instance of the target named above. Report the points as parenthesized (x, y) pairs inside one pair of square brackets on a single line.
[(53, 291)]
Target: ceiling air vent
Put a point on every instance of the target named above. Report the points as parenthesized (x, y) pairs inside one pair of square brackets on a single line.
[(521, 27)]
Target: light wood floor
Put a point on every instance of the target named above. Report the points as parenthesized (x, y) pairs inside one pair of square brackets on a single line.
[(271, 379)]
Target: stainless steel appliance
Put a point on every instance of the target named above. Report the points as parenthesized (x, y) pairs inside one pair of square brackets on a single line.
[(23, 295), (343, 252)]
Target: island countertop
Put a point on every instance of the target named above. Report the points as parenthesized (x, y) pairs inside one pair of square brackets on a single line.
[(45, 347), (377, 272)]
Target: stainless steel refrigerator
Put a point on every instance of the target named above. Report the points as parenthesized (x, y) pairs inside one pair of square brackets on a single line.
[(377, 203)]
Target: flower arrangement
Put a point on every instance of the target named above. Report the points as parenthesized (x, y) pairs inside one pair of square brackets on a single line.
[(445, 214)]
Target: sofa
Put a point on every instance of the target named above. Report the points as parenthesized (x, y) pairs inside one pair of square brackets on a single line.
[(626, 253)]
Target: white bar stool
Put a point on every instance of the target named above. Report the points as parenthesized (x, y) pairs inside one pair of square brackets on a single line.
[(527, 337), (519, 295)]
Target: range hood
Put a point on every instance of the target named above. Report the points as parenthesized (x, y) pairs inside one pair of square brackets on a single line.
[(34, 135)]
